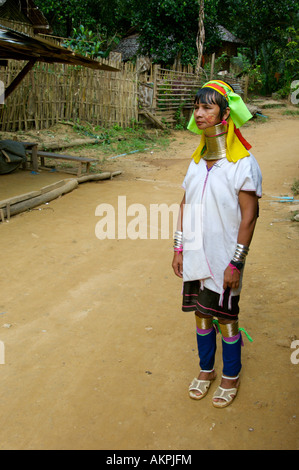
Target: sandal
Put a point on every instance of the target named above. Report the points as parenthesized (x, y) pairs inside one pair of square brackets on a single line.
[(226, 394), (201, 386)]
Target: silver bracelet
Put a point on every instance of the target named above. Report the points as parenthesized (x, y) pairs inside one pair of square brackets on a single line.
[(240, 253), (178, 239)]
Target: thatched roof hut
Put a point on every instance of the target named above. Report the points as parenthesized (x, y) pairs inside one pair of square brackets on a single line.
[(230, 42), (129, 46)]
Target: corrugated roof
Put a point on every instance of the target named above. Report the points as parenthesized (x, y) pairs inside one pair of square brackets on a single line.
[(19, 46)]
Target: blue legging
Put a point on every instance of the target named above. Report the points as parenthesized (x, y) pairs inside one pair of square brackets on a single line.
[(231, 355), (231, 352), (206, 344)]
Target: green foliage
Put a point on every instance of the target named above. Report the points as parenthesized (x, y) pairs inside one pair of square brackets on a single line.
[(254, 71), (87, 43), (118, 141), (255, 21), (267, 28), (295, 187), (168, 30), (64, 15), (286, 56), (180, 119)]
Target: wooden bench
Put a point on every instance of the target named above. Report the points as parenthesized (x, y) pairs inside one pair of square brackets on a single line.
[(57, 156)]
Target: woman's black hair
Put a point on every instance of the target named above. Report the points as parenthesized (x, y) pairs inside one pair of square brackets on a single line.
[(210, 96)]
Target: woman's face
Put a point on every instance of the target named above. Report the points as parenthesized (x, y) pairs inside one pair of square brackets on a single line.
[(208, 115)]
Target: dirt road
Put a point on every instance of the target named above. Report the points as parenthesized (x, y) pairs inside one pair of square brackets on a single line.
[(98, 354)]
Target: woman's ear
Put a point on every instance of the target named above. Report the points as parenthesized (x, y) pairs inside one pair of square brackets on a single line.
[(226, 114)]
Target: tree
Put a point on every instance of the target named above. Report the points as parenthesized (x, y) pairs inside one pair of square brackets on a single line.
[(64, 15), (171, 29), (255, 21), (168, 29), (200, 38), (264, 26)]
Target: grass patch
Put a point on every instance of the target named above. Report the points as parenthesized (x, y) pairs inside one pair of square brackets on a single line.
[(118, 140), (274, 105), (291, 112), (295, 187), (256, 120)]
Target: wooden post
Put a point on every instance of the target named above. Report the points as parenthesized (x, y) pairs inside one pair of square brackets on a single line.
[(19, 78), (34, 158), (200, 38), (155, 79), (212, 66), (8, 211), (246, 88)]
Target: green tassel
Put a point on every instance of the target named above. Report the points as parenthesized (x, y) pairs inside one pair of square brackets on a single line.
[(248, 337)]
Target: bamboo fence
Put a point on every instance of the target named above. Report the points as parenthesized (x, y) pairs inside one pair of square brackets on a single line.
[(174, 91), (52, 93)]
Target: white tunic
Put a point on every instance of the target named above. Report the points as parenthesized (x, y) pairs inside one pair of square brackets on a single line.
[(212, 217)]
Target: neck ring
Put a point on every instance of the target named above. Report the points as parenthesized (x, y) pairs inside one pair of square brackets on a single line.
[(215, 138)]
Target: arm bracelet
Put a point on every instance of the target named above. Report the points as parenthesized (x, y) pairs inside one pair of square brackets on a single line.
[(240, 253), (178, 241)]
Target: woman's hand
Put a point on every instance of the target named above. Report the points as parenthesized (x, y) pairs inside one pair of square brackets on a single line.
[(177, 264), (231, 278)]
